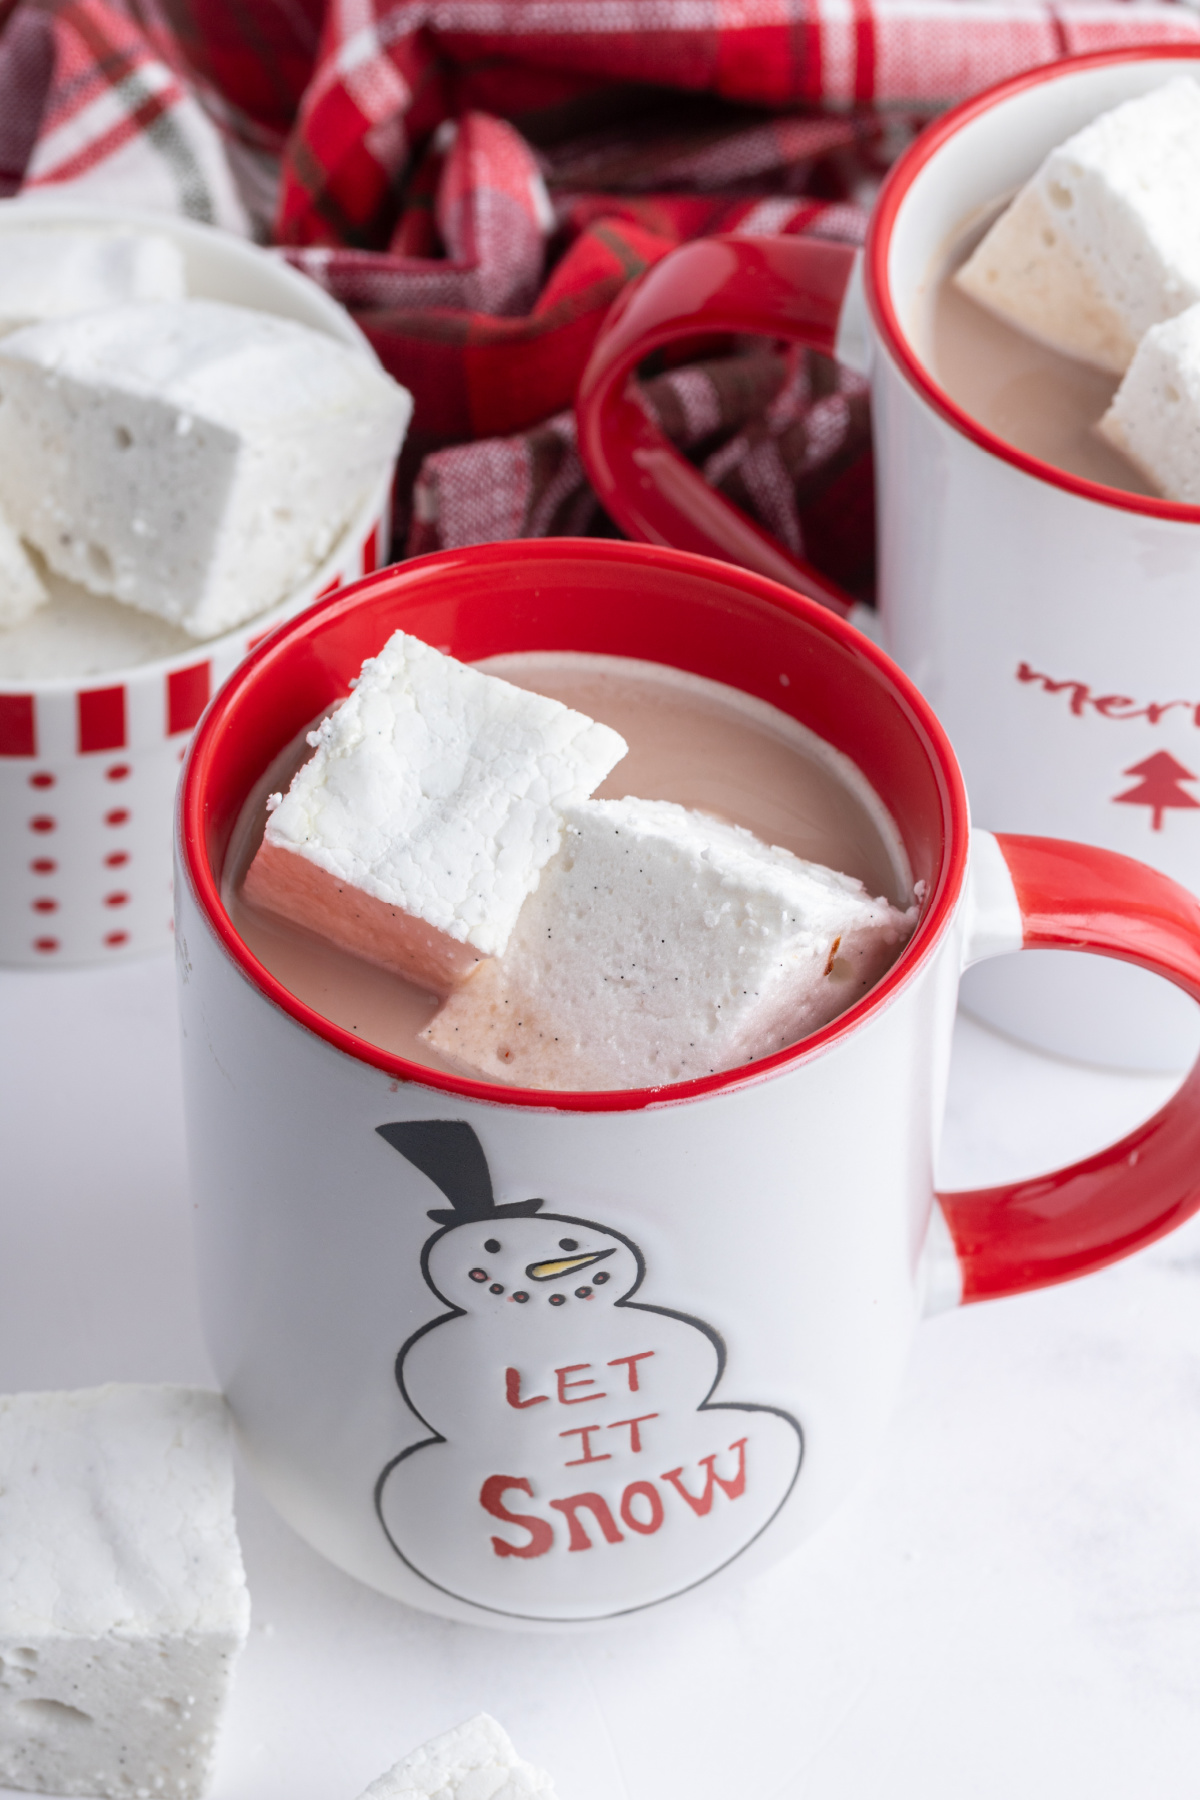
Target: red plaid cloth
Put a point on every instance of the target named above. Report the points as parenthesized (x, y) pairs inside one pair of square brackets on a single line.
[(477, 179)]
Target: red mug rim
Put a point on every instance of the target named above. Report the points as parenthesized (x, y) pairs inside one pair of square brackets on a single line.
[(878, 288), (211, 794)]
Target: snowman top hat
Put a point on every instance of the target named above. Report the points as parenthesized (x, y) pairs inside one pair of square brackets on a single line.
[(449, 1153)]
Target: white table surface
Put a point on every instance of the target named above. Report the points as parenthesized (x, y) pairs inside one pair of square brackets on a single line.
[(1009, 1607)]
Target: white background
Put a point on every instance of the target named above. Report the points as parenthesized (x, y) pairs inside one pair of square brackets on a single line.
[(1010, 1607)]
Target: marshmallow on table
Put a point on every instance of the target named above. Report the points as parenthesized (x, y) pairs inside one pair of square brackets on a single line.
[(662, 945), (475, 1761), (52, 271), (192, 459), (1104, 241), (1154, 418), (122, 1599), (22, 589), (423, 821)]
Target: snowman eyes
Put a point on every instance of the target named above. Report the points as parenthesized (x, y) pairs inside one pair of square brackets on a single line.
[(567, 1243), (492, 1246)]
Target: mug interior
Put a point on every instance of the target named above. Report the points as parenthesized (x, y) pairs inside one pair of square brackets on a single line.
[(609, 598), (978, 154)]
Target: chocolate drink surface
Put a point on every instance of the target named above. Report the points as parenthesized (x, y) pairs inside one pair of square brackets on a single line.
[(1036, 399), (692, 741)]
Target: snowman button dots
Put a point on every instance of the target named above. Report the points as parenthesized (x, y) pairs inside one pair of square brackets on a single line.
[(505, 1492)]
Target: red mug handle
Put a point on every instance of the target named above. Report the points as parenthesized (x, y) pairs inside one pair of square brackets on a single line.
[(1041, 894), (777, 287)]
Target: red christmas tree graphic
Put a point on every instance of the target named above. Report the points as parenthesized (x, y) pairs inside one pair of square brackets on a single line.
[(1159, 787)]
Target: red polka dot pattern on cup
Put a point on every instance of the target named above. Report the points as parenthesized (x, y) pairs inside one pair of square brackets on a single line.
[(89, 770)]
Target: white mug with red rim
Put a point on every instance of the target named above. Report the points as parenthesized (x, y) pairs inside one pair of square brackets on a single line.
[(541, 1359), (1053, 623), (89, 764)]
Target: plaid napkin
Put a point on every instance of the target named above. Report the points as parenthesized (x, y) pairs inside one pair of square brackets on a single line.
[(477, 179)]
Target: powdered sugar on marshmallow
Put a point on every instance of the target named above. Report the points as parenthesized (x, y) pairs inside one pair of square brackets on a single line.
[(1104, 241), (123, 1604), (1154, 418), (437, 791), (662, 945), (475, 1761), (51, 271), (192, 459)]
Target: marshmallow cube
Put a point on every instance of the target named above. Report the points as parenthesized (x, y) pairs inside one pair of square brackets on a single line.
[(1104, 241), (1154, 418), (192, 459), (122, 1600), (53, 271), (662, 945), (475, 1761), (425, 818), (22, 589)]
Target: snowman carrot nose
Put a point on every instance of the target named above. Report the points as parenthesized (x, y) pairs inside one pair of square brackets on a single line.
[(546, 1271)]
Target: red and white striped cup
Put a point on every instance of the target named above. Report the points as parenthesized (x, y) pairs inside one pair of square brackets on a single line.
[(88, 767)]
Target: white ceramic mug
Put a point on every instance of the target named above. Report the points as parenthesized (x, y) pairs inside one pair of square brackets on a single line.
[(538, 1359), (88, 766), (1053, 623)]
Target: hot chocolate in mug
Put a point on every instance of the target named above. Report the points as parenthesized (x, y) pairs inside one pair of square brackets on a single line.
[(1052, 621), (720, 1279)]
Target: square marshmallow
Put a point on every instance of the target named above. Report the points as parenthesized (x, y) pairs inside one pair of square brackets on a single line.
[(662, 945), (193, 459), (475, 1761), (1154, 418), (50, 271), (122, 1599), (1104, 240), (433, 803)]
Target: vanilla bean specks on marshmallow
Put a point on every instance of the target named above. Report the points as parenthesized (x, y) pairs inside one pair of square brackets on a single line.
[(662, 945)]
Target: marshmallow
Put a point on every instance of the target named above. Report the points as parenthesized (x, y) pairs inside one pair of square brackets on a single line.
[(22, 589), (1154, 418), (52, 271), (1104, 241), (192, 459), (662, 945), (77, 634), (475, 1761), (122, 1600), (425, 818)]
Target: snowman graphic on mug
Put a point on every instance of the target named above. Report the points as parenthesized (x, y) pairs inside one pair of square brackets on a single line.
[(577, 1464)]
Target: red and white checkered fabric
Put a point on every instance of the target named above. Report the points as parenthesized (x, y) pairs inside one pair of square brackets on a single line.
[(477, 179)]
